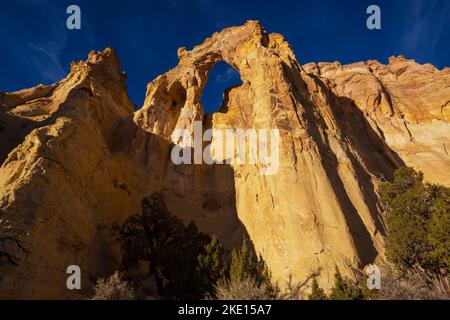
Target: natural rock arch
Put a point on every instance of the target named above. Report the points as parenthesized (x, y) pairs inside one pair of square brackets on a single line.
[(62, 181), (296, 231), (221, 79)]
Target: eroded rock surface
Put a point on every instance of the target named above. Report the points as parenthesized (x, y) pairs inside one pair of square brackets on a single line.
[(76, 157), (407, 104)]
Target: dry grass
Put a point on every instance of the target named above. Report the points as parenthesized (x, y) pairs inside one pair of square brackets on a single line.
[(415, 285), (113, 288), (243, 289)]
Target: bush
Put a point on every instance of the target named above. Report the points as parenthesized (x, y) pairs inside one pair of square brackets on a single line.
[(241, 289), (245, 264), (177, 256), (317, 293), (438, 236), (212, 265), (343, 289), (150, 236), (365, 292), (113, 289), (180, 264), (184, 262), (411, 285), (293, 290), (418, 223)]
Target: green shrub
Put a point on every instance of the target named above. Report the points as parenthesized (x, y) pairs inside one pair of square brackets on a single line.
[(184, 262), (317, 293), (343, 289), (212, 265), (418, 222), (176, 255), (245, 264)]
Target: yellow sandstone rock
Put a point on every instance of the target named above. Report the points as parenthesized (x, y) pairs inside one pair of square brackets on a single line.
[(76, 157)]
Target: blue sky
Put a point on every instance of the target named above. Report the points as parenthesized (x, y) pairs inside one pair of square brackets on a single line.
[(36, 46)]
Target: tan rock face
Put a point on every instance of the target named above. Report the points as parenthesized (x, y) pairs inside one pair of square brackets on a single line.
[(406, 103), (76, 158), (60, 180)]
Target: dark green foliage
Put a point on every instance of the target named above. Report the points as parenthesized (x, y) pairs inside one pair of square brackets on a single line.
[(317, 293), (170, 249), (439, 230), (185, 262), (245, 264), (365, 292), (150, 236), (404, 180), (343, 289), (181, 264), (212, 265), (418, 222)]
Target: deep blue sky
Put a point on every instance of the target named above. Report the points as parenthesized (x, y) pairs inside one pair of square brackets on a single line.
[(36, 47)]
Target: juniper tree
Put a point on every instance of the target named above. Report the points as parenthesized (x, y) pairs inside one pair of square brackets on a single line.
[(418, 223), (212, 265), (317, 293), (149, 236), (343, 289), (176, 255), (246, 264)]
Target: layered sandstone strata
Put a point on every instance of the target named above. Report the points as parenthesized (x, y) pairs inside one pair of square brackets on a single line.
[(76, 157)]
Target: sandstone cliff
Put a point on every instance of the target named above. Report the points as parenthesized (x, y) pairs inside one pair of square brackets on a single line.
[(76, 157)]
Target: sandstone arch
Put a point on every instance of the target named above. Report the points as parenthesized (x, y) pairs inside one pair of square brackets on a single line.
[(221, 79), (88, 165), (312, 215)]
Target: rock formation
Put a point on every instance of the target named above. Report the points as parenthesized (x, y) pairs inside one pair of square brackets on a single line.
[(76, 157)]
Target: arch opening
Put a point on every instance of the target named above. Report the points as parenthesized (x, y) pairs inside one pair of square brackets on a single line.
[(221, 77), (177, 95)]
